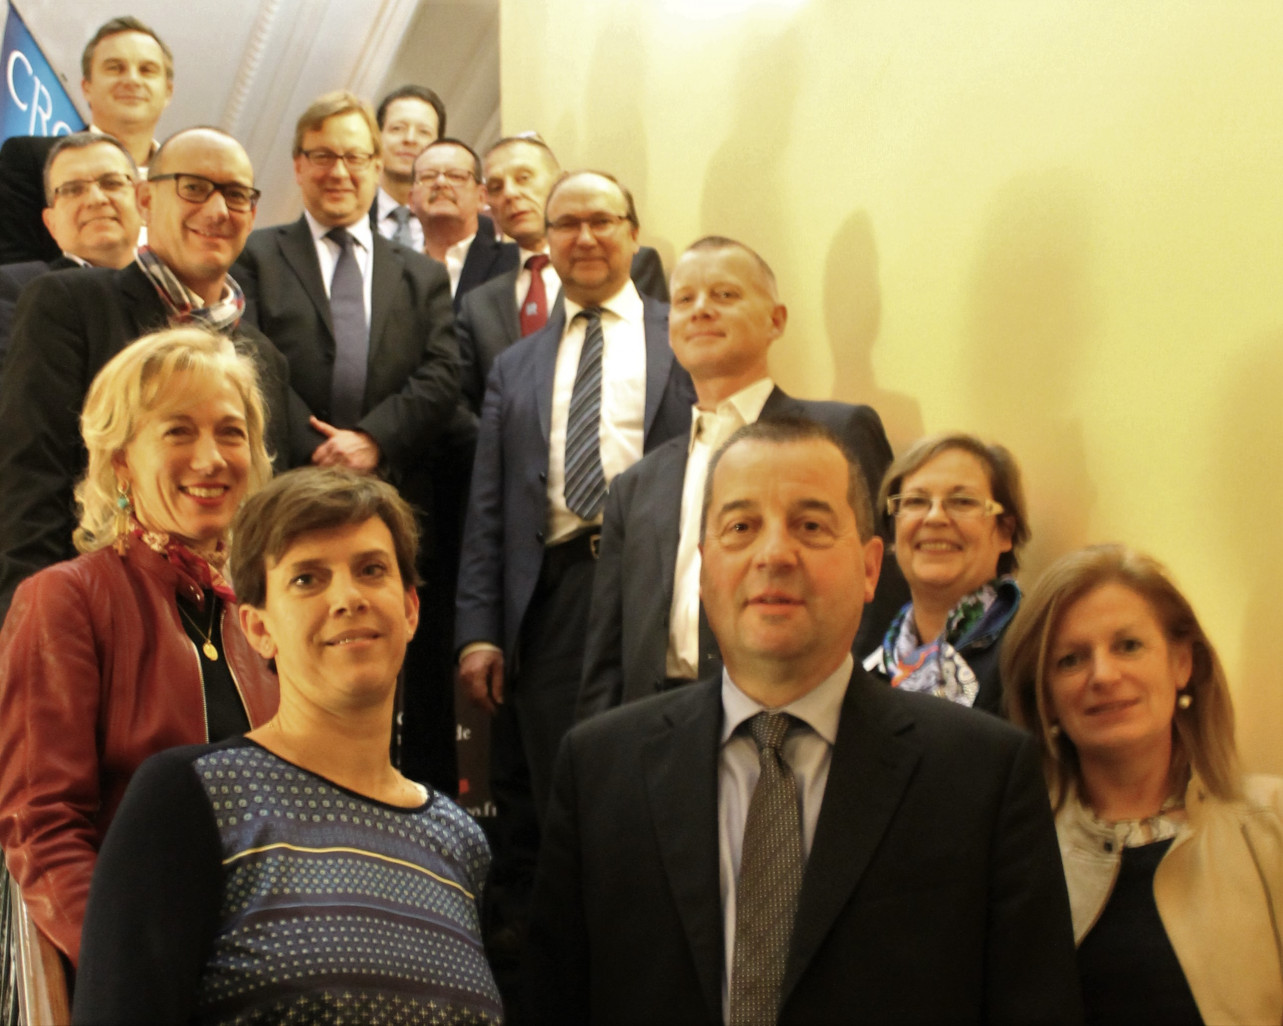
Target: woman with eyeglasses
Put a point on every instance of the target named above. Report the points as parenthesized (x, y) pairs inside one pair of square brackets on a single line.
[(958, 511), (1173, 859)]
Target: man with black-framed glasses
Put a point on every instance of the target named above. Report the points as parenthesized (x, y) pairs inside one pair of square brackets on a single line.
[(68, 325), (367, 327)]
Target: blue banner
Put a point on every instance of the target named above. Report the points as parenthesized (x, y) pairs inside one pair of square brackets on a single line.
[(34, 101)]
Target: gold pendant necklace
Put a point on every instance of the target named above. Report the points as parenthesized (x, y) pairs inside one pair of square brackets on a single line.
[(211, 653)]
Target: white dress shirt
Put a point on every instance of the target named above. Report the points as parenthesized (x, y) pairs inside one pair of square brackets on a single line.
[(709, 429), (623, 400), (327, 252), (808, 750), (455, 257), (386, 203)]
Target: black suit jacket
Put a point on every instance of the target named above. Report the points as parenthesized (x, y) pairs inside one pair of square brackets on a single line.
[(503, 542), (487, 258), (66, 327), (23, 235), (933, 891), (488, 321), (411, 388), (625, 652)]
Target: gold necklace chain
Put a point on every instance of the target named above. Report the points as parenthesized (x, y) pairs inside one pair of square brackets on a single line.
[(211, 653)]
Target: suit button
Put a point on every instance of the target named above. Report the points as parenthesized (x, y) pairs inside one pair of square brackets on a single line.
[(543, 477), (539, 537)]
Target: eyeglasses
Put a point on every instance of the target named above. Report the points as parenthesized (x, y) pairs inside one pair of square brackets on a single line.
[(326, 159), (109, 183), (598, 224), (956, 507), (452, 175), (197, 189)]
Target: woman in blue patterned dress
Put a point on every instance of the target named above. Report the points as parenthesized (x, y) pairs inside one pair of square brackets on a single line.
[(295, 875)]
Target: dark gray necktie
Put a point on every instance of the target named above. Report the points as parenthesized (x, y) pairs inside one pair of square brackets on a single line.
[(351, 334), (585, 489), (402, 233), (769, 880)]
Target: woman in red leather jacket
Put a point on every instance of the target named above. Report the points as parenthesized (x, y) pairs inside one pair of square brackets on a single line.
[(134, 646)]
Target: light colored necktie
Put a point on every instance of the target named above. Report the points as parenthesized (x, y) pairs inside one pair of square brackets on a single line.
[(351, 334), (402, 233), (770, 878), (585, 489), (534, 308)]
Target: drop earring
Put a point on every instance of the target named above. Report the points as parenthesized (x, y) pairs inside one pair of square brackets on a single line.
[(124, 510)]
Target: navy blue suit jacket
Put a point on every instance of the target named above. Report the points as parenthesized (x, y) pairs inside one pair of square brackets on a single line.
[(627, 642), (503, 542)]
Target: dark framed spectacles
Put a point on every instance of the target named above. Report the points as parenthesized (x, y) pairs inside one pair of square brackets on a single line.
[(326, 159), (110, 183), (198, 189)]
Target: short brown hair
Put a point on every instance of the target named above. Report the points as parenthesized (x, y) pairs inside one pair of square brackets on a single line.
[(330, 105), (1004, 482), (126, 23), (314, 499), (785, 430), (82, 141), (1202, 735)]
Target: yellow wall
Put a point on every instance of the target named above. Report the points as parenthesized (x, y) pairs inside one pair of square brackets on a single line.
[(1053, 223)]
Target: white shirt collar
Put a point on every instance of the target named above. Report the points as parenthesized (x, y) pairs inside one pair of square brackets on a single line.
[(820, 708), (359, 230), (746, 404)]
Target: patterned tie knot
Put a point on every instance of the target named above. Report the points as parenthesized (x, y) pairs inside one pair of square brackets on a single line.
[(340, 236), (768, 730), (402, 214), (537, 263)]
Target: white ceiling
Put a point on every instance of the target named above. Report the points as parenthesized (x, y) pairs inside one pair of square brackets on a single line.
[(252, 67)]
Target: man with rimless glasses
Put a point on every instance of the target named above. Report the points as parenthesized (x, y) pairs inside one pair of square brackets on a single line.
[(198, 204)]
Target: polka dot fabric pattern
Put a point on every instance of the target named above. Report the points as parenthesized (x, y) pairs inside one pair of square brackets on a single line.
[(339, 909)]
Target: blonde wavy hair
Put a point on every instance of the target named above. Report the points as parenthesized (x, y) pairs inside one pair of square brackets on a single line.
[(131, 386), (1202, 734)]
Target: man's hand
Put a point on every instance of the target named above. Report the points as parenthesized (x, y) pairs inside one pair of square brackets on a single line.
[(352, 449), (482, 675)]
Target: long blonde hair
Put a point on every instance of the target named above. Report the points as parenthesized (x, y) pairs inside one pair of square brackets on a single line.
[(1202, 734), (129, 387)]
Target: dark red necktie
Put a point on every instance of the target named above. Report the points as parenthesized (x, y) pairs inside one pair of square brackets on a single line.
[(534, 308)]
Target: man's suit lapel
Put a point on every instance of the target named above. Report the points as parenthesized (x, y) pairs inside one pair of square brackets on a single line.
[(548, 341), (873, 760), (659, 357), (299, 251), (387, 268), (780, 404), (680, 761), (143, 306), (670, 479)]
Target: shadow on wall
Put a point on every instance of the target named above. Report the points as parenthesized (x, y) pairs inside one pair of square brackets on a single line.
[(1242, 513), (745, 181), (1032, 317), (852, 318)]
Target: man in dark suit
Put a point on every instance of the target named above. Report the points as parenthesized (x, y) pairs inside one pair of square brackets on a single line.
[(644, 630), (446, 199), (365, 324), (128, 82), (794, 841), (92, 214), (519, 171), (199, 208), (409, 117)]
